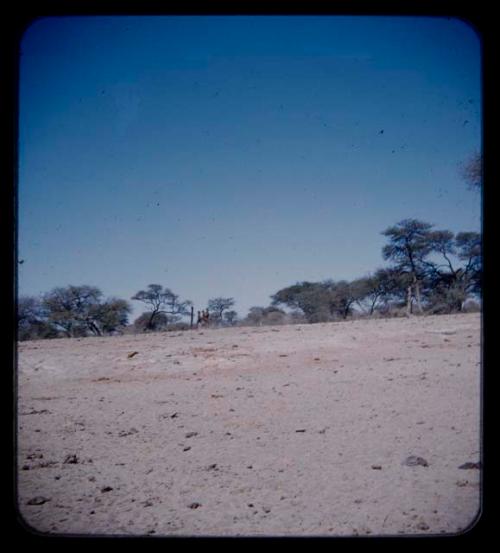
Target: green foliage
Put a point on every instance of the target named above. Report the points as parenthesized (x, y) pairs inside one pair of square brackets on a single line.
[(271, 315), (164, 305), (230, 317), (146, 322), (375, 291), (435, 267), (112, 315), (408, 245), (217, 306), (442, 271), (32, 320), (319, 301), (73, 309), (70, 311)]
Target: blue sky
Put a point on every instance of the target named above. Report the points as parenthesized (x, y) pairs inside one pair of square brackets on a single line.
[(232, 156)]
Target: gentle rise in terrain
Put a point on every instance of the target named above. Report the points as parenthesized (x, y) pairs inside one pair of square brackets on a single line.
[(367, 427)]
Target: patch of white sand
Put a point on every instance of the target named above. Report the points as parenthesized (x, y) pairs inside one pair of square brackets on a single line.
[(291, 430)]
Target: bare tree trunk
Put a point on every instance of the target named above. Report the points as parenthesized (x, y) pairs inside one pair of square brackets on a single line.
[(94, 328), (408, 301), (417, 295), (149, 326)]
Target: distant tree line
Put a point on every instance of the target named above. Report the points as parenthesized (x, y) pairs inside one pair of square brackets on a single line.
[(73, 311), (429, 271), (78, 311)]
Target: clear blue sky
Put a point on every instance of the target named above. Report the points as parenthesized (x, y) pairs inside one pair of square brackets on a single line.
[(233, 156)]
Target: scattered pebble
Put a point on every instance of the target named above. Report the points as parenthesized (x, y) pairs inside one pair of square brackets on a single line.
[(34, 456), (422, 526), (470, 465), (106, 489), (376, 467), (38, 500), (413, 461), (194, 505), (71, 460), (132, 354), (124, 433)]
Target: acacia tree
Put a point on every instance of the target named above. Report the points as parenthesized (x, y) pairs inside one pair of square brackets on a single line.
[(111, 315), (469, 250), (161, 301), (217, 306), (378, 289), (255, 315), (72, 309), (231, 317), (342, 296), (310, 297), (430, 261), (77, 310), (32, 320), (319, 301), (143, 322), (448, 283), (408, 248), (258, 316)]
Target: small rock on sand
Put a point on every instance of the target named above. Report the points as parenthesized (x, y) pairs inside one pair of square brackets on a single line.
[(470, 465), (414, 461), (38, 500), (71, 459)]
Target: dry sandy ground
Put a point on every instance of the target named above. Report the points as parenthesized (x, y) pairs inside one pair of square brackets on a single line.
[(300, 430)]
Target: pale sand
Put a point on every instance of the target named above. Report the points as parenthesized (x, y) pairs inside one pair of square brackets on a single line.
[(295, 430)]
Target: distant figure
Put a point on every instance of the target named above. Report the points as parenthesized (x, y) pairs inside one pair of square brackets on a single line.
[(203, 318)]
